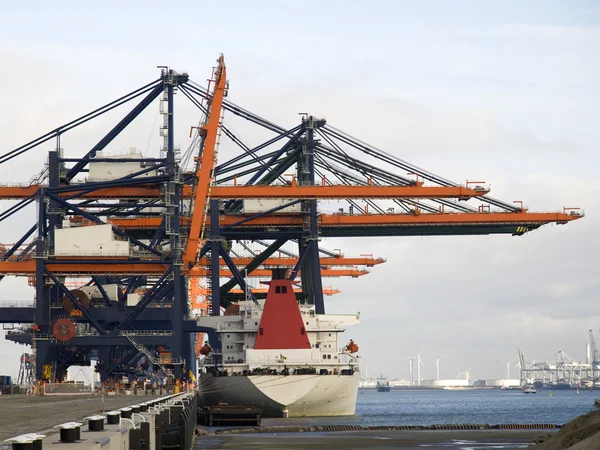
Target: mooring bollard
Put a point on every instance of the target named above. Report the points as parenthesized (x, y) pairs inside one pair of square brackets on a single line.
[(21, 443), (31, 441), (144, 407), (69, 432), (136, 409), (113, 417), (95, 423), (37, 440), (125, 413)]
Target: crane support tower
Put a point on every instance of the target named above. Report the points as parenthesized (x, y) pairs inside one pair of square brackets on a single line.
[(120, 240), (594, 358)]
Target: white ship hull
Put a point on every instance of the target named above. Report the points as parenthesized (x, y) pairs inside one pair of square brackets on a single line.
[(301, 395)]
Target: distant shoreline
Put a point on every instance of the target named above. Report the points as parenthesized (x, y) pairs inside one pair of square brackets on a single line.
[(472, 388)]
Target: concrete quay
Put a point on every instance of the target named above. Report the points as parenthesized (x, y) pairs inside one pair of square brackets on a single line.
[(21, 414), (168, 421)]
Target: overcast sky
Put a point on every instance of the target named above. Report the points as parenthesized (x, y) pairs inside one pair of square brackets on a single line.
[(503, 91)]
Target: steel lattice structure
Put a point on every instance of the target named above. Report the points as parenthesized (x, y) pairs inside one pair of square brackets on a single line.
[(172, 225)]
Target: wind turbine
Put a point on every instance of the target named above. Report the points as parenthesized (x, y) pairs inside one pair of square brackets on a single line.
[(508, 363), (410, 363), (437, 366), (466, 374), (419, 365)]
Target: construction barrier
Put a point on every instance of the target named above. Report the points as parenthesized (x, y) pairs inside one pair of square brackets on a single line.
[(65, 389)]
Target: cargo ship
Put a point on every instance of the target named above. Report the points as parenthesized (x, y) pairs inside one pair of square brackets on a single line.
[(383, 385), (280, 356)]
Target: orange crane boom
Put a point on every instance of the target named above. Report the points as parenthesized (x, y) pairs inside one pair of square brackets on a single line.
[(408, 219), (204, 174), (27, 268), (343, 192), (244, 261), (328, 220), (244, 192), (291, 262)]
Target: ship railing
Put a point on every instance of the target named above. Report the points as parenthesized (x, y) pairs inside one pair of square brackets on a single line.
[(194, 316), (146, 333), (12, 326), (210, 361), (16, 304), (160, 305), (91, 332), (22, 184), (45, 336), (89, 253)]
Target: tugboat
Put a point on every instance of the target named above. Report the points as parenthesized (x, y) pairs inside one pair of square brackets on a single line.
[(280, 356), (383, 385)]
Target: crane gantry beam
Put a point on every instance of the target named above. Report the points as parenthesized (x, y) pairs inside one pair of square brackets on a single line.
[(291, 262), (279, 261), (345, 192), (277, 192), (326, 220), (81, 267), (425, 221), (8, 192)]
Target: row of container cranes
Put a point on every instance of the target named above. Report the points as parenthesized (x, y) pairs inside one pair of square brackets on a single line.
[(123, 252), (561, 371)]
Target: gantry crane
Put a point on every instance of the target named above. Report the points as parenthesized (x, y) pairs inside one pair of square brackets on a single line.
[(138, 232)]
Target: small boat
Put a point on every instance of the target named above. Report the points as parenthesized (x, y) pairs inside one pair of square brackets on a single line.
[(383, 385), (597, 403), (529, 389)]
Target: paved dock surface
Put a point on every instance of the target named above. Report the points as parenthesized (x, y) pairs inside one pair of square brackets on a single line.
[(421, 440), (21, 414)]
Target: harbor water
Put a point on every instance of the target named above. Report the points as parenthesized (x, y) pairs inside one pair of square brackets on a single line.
[(432, 406), (424, 407)]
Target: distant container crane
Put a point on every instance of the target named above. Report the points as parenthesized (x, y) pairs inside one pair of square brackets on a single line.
[(561, 371), (25, 376), (593, 357)]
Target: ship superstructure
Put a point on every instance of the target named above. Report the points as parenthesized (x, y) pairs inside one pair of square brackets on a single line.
[(281, 356)]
